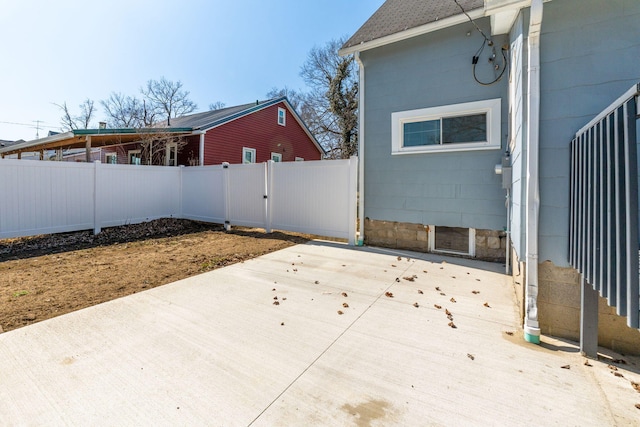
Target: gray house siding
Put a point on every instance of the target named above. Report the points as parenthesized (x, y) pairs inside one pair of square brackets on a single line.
[(590, 55), (457, 189)]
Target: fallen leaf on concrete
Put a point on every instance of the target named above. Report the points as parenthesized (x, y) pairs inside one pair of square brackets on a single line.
[(452, 299), (398, 279), (447, 312), (275, 297), (276, 303), (420, 292), (345, 305), (284, 299), (586, 363), (509, 333), (635, 386), (340, 312), (613, 368), (452, 325), (443, 294), (618, 374), (450, 317), (477, 280), (437, 306), (273, 289), (316, 282), (486, 304), (282, 324), (408, 259), (295, 269), (453, 277), (344, 294), (438, 288), (471, 356), (566, 367), (409, 278), (416, 305), (638, 405), (424, 271), (399, 258), (475, 292), (388, 294), (393, 265)]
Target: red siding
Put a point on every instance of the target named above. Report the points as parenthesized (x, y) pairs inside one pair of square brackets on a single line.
[(259, 130)]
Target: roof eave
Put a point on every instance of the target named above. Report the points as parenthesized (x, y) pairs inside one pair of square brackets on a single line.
[(32, 143), (413, 32)]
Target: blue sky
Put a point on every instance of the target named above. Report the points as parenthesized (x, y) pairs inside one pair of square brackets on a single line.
[(229, 51)]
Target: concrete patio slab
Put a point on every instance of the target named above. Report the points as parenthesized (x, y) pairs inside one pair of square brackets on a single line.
[(214, 349)]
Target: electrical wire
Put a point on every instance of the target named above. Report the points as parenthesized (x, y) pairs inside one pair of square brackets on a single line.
[(486, 42)]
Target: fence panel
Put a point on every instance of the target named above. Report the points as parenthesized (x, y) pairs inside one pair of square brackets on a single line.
[(129, 194), (45, 197), (317, 197), (604, 206), (203, 194), (246, 195)]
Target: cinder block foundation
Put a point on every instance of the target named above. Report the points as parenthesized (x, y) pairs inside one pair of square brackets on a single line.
[(559, 311), (490, 244)]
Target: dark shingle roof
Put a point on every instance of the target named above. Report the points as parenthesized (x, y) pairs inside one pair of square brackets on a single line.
[(396, 16), (208, 119)]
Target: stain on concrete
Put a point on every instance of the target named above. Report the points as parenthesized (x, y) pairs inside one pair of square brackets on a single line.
[(365, 413)]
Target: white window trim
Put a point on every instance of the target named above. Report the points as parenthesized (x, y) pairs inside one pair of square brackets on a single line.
[(275, 156), (284, 116), (299, 159), (171, 146), (253, 155), (491, 107), (106, 158), (130, 152), (472, 243)]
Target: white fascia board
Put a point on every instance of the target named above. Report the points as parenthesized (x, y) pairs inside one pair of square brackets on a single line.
[(413, 32), (36, 142)]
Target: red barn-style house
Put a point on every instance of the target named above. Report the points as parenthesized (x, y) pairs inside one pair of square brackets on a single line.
[(250, 133)]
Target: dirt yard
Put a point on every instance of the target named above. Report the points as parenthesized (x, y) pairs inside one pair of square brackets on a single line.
[(45, 276)]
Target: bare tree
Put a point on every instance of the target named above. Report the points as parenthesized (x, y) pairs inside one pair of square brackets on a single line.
[(154, 146), (216, 106), (296, 98), (82, 120), (123, 111), (168, 97), (330, 108)]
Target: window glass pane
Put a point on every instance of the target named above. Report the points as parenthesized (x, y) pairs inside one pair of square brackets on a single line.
[(464, 129), (421, 133)]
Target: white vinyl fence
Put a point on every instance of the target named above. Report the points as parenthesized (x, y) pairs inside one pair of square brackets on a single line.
[(38, 197)]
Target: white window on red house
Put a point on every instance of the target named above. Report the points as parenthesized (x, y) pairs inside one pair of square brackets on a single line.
[(248, 155), (135, 157), (299, 159), (276, 157), (282, 116), (111, 158)]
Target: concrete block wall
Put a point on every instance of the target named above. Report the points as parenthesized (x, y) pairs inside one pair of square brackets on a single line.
[(559, 311), (490, 244)]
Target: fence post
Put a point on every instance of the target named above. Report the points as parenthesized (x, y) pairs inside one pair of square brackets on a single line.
[(181, 193), (227, 196), (268, 192), (96, 200), (353, 198)]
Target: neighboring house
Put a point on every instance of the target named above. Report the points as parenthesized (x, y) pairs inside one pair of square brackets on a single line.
[(250, 133), (432, 137)]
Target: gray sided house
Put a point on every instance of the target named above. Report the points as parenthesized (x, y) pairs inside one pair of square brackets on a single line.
[(468, 112)]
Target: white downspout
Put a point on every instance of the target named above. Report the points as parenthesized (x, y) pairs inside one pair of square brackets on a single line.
[(531, 324), (360, 240)]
